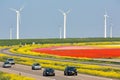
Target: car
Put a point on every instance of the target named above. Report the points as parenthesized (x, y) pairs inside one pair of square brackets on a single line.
[(7, 65), (69, 70), (36, 66), (11, 61), (48, 72)]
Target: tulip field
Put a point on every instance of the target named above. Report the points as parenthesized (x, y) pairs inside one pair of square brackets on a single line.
[(76, 50), (81, 51)]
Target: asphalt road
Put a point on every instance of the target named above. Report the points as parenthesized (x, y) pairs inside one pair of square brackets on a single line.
[(37, 74)]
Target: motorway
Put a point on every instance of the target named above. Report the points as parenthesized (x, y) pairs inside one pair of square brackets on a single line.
[(37, 74)]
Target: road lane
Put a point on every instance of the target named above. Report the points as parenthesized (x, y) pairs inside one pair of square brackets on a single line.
[(37, 74)]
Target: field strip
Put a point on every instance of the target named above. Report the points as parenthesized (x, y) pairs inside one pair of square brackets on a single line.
[(113, 60), (6, 51)]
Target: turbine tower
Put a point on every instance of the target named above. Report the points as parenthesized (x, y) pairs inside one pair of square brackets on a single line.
[(105, 24), (18, 19), (111, 29), (10, 33), (60, 33), (65, 20)]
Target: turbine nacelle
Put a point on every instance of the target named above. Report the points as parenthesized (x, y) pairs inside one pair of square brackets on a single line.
[(64, 13), (17, 11), (106, 15)]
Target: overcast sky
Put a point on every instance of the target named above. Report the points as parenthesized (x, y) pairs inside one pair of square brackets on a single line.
[(42, 19)]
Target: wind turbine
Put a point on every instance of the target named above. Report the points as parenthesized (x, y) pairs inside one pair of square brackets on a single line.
[(105, 24), (60, 33), (18, 19), (111, 31), (65, 20), (10, 33)]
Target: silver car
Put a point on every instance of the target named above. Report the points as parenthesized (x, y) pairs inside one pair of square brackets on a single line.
[(7, 65), (11, 61), (36, 66)]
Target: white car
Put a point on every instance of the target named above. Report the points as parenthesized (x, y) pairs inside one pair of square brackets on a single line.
[(36, 66), (6, 65), (10, 60)]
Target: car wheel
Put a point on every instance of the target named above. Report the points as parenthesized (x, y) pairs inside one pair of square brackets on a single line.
[(44, 74), (3, 66), (67, 74), (40, 69), (32, 68), (64, 73), (76, 74)]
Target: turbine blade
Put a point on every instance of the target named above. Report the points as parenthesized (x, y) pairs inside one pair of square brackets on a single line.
[(13, 9), (21, 8), (61, 11), (68, 12), (105, 12)]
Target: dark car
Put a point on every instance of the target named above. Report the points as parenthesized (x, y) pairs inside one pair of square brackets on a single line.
[(70, 71), (36, 66), (7, 65), (10, 60), (48, 72)]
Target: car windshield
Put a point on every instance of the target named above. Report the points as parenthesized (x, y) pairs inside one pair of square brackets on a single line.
[(37, 64), (10, 59), (49, 70), (6, 63), (71, 68)]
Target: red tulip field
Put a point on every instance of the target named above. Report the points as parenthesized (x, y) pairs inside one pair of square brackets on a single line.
[(81, 51)]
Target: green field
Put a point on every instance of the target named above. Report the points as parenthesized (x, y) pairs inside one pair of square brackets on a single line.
[(8, 42)]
